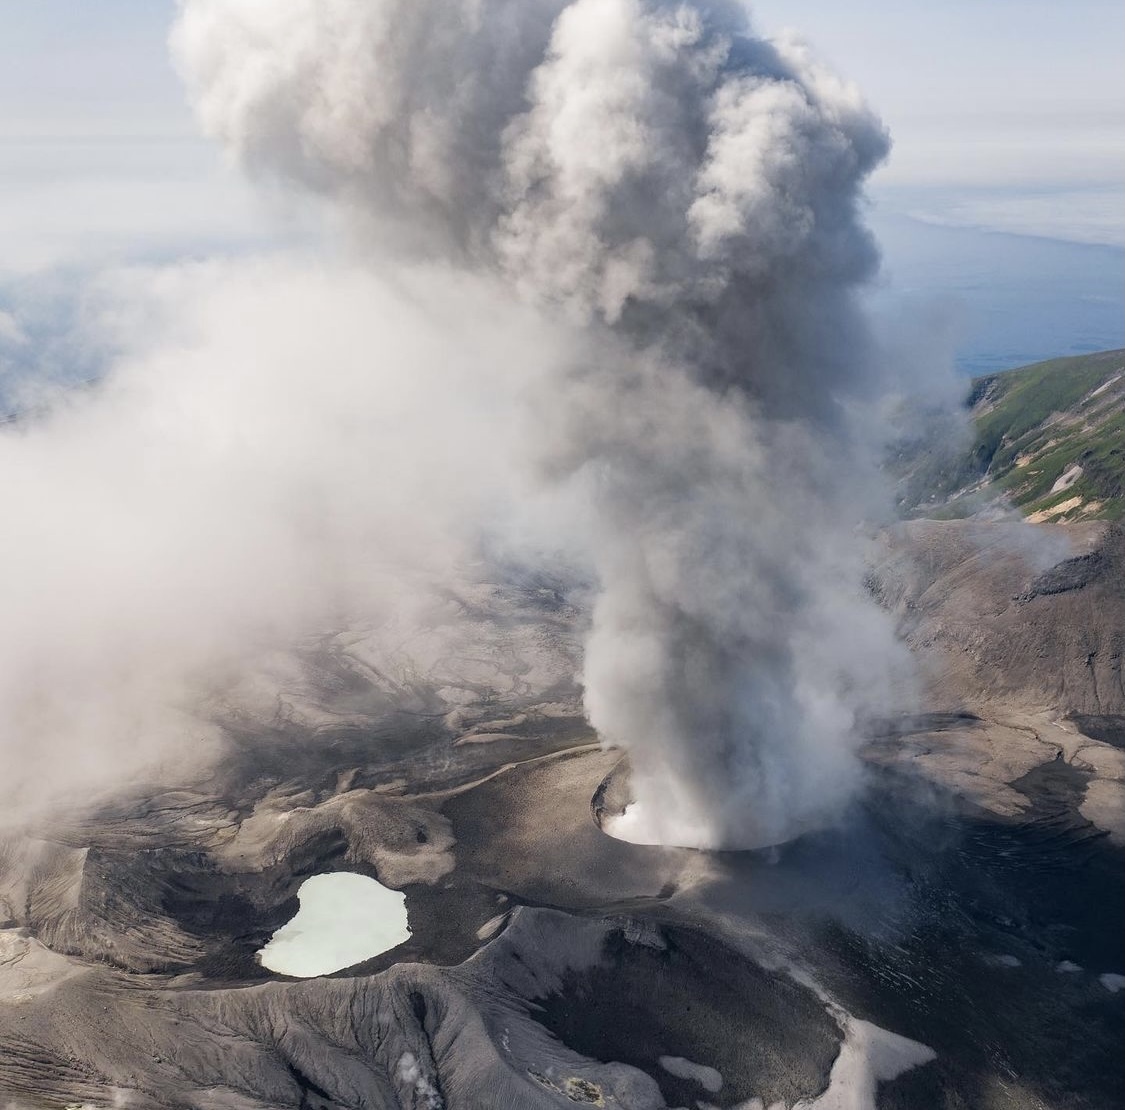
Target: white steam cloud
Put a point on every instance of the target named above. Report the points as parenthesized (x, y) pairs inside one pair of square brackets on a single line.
[(280, 450), (621, 247)]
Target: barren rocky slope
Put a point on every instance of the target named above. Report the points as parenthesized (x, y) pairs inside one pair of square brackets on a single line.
[(911, 956), (1020, 631)]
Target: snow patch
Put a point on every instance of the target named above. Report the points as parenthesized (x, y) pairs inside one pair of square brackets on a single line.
[(1067, 478), (708, 1078), (1005, 961), (1102, 388), (869, 1056)]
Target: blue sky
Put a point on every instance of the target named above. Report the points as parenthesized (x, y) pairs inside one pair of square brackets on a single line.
[(1006, 116)]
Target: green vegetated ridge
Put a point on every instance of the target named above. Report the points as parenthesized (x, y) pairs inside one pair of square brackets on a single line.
[(1050, 436)]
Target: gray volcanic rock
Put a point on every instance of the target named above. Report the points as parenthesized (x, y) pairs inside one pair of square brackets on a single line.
[(413, 1035), (1071, 574), (1023, 630), (1010, 614), (906, 959)]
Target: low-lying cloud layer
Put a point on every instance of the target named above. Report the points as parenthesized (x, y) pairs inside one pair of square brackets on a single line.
[(607, 255)]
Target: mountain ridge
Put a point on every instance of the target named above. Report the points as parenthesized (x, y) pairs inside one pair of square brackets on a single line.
[(1047, 439)]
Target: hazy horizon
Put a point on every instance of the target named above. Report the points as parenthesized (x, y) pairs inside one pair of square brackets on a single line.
[(1007, 224)]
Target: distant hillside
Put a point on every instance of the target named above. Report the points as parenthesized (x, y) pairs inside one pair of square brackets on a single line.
[(1051, 436)]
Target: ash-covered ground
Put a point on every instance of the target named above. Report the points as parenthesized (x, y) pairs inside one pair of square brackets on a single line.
[(957, 942)]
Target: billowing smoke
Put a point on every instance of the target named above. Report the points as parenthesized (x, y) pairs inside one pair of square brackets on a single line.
[(688, 194), (630, 238), (281, 450)]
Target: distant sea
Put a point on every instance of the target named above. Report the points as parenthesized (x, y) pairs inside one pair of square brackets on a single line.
[(1010, 299), (996, 299)]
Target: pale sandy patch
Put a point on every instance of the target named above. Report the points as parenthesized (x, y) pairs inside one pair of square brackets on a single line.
[(1055, 510)]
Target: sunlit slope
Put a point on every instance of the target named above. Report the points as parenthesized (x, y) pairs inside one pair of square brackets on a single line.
[(1053, 436), (1048, 438)]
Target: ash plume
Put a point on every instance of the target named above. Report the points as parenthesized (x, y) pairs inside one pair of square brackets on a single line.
[(660, 214), (687, 195)]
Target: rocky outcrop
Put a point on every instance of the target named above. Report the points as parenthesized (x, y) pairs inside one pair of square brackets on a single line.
[(1009, 614), (551, 966)]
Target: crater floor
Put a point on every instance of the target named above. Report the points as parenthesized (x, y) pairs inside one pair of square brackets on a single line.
[(955, 942)]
